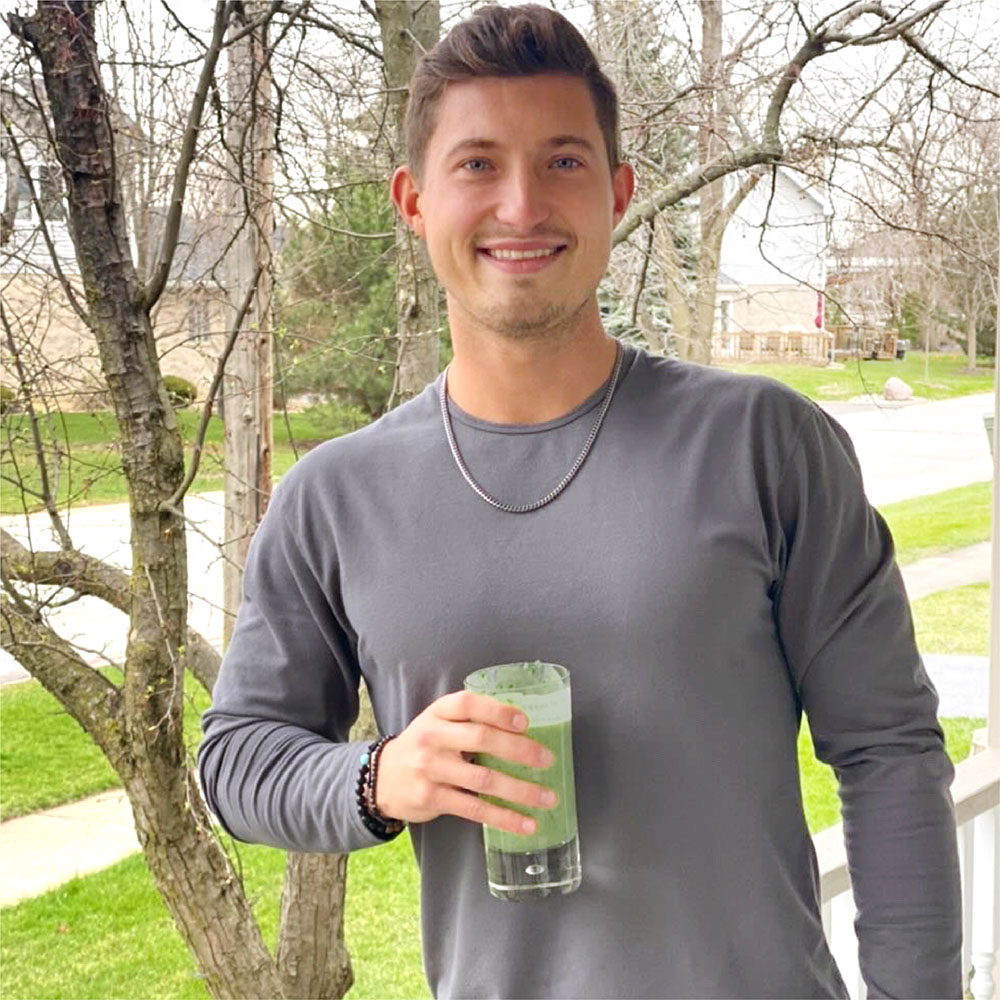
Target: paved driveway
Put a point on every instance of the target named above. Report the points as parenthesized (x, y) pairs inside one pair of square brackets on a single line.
[(912, 449)]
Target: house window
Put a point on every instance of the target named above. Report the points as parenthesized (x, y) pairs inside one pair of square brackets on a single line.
[(22, 197), (50, 194), (725, 315), (198, 318)]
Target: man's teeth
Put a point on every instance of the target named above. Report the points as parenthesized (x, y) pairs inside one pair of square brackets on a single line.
[(522, 254)]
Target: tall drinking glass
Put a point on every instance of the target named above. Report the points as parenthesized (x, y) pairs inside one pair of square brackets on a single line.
[(518, 866)]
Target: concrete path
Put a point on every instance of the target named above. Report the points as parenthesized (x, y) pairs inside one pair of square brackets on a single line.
[(944, 572), (45, 849), (962, 684)]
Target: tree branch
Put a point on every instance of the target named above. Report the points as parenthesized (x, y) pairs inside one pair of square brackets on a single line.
[(95, 578), (342, 33), (43, 469), (770, 148), (161, 272), (46, 235)]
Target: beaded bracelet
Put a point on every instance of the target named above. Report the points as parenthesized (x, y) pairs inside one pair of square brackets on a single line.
[(377, 824)]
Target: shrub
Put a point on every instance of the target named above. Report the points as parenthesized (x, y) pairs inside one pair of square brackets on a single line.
[(8, 399), (181, 392)]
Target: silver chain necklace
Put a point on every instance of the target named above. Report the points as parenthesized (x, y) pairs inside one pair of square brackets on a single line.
[(549, 497)]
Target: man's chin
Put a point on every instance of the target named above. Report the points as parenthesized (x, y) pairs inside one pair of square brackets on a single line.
[(518, 324)]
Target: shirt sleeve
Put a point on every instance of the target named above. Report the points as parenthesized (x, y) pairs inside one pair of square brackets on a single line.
[(845, 626), (275, 765)]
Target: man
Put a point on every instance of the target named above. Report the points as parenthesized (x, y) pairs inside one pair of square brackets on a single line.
[(710, 570)]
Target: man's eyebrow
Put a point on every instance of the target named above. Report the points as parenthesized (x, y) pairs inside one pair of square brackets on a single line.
[(571, 140), (470, 144), (476, 144)]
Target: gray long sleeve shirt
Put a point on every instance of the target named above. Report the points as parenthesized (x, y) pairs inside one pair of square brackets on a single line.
[(713, 570)]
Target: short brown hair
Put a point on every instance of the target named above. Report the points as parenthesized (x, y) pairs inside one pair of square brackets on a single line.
[(528, 40)]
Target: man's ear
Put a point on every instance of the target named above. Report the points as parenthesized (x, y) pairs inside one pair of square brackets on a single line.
[(406, 198), (623, 185)]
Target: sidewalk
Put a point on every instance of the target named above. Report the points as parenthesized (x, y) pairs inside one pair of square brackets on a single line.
[(52, 846)]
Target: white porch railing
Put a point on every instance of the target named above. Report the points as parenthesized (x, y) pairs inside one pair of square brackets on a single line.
[(976, 792)]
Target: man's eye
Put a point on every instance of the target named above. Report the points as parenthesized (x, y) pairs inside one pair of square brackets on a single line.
[(567, 162), (475, 166)]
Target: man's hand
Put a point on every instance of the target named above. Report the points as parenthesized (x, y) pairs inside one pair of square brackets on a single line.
[(422, 773)]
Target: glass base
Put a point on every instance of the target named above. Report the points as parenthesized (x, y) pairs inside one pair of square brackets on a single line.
[(536, 874)]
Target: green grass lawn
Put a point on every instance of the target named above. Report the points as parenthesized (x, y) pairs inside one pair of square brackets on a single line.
[(46, 759), (109, 934), (941, 522), (85, 460), (857, 378), (954, 621), (87, 467)]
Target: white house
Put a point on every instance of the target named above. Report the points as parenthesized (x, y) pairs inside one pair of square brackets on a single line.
[(769, 297)]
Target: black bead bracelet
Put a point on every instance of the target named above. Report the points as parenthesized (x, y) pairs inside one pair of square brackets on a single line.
[(377, 824)]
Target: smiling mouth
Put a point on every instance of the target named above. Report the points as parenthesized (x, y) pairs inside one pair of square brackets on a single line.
[(522, 254)]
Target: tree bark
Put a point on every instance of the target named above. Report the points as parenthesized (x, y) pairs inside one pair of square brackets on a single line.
[(248, 382), (698, 347), (408, 28), (139, 725), (313, 959), (970, 329)]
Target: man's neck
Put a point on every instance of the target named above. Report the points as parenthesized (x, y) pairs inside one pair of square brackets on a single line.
[(507, 381)]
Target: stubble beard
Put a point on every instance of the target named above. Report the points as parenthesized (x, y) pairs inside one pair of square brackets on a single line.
[(533, 322)]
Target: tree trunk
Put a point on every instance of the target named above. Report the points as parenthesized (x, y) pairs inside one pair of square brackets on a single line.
[(970, 329), (248, 383), (313, 959), (710, 145), (191, 871), (409, 27), (674, 283)]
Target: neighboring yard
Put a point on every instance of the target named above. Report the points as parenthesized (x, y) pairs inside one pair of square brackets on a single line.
[(858, 378), (89, 463), (90, 467), (929, 525)]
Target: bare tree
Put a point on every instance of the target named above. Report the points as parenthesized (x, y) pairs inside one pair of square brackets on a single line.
[(333, 118), (752, 108), (138, 724), (409, 28)]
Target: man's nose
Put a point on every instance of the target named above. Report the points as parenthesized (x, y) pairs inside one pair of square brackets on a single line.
[(522, 201)]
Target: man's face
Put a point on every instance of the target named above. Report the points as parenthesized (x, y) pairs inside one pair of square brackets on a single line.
[(517, 202)]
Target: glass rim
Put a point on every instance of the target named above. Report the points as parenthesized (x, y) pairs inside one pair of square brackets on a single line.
[(473, 682)]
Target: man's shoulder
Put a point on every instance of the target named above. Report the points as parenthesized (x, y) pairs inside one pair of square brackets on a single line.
[(717, 394)]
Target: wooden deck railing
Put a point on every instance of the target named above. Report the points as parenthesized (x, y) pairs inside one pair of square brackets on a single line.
[(811, 347), (976, 792)]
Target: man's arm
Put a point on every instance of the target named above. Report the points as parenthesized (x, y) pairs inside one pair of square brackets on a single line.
[(275, 764), (846, 629)]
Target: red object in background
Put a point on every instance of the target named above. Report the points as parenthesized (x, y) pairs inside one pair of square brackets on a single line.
[(820, 298)]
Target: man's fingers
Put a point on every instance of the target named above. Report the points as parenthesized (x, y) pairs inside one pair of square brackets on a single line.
[(486, 781), (471, 807), (466, 706), (472, 737)]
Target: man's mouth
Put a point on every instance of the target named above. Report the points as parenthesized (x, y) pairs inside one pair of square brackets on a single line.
[(498, 254), (523, 261)]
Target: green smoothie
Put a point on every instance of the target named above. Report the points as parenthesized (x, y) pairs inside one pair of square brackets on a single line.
[(525, 867), (555, 826)]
